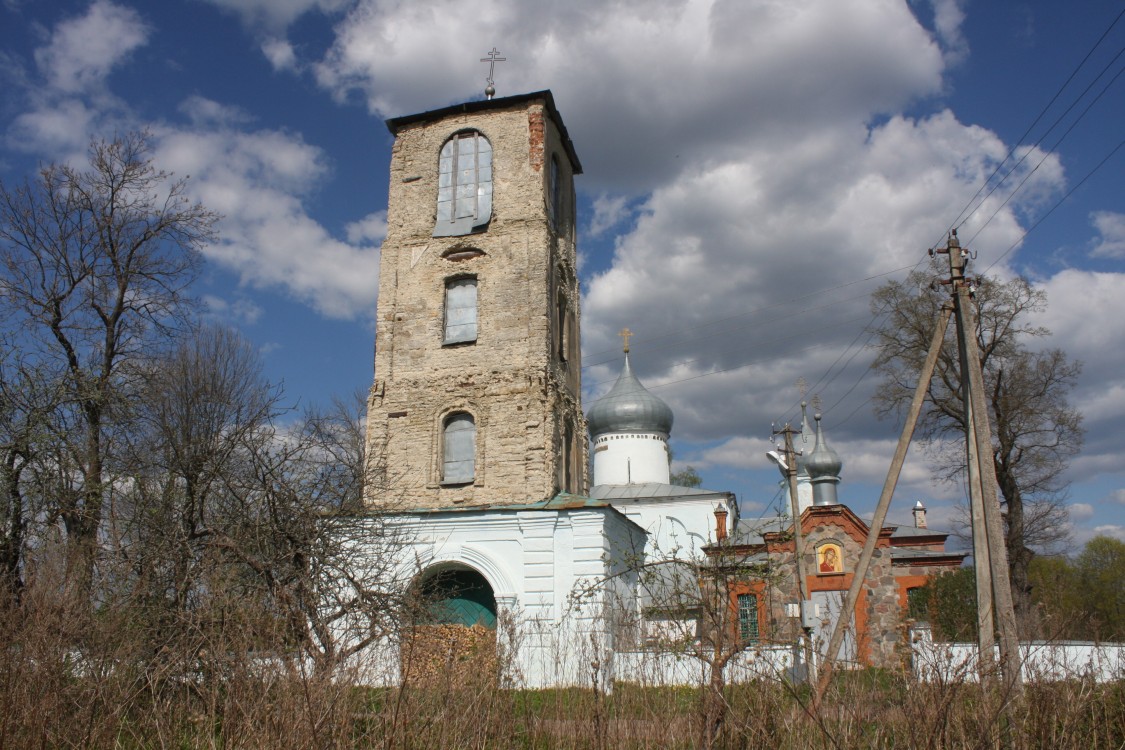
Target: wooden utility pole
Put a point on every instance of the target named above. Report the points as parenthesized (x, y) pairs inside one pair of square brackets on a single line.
[(979, 437), (994, 591), (798, 545), (889, 485)]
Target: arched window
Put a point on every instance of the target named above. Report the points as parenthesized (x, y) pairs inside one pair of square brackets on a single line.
[(460, 310), (464, 201), (554, 194), (562, 328), (459, 449)]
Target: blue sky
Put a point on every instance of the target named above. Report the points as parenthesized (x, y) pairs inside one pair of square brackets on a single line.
[(753, 170)]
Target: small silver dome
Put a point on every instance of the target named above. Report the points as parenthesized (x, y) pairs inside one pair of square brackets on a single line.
[(823, 462), (629, 407)]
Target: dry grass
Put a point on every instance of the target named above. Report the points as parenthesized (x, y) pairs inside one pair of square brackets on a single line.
[(73, 679)]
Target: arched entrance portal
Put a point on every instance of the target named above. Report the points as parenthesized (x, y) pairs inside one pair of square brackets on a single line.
[(454, 638), (456, 595)]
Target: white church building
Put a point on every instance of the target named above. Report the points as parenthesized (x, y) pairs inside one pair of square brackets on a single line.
[(479, 460), (476, 434)]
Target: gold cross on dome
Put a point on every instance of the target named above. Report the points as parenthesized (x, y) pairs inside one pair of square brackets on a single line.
[(625, 334)]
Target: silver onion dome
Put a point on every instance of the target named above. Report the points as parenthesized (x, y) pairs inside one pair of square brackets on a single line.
[(629, 407)]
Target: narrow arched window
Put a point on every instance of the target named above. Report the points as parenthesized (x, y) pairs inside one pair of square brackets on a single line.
[(554, 194), (459, 449), (460, 311), (464, 202)]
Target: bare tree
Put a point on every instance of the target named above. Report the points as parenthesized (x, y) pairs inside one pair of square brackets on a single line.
[(94, 266), (1035, 429)]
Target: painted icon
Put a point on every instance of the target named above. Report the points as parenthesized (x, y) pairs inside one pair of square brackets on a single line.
[(830, 558)]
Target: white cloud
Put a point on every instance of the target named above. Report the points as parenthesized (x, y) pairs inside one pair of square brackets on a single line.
[(371, 228), (1080, 511), (204, 112), (948, 17), (280, 53), (69, 101), (241, 311), (1118, 496), (609, 211), (84, 49), (276, 15), (1111, 230), (257, 180), (1111, 530)]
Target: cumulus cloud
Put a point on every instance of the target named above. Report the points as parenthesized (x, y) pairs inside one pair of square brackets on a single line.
[(1111, 234), (609, 211), (276, 15), (371, 228), (257, 181), (68, 100), (83, 50), (280, 53)]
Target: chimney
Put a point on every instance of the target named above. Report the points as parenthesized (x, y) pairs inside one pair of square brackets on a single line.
[(720, 523), (919, 515)]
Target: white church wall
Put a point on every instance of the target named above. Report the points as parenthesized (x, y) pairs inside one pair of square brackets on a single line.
[(631, 458), (560, 579)]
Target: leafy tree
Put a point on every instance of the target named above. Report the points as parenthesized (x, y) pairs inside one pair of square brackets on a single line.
[(688, 477), (1035, 429), (950, 604), (1101, 572), (94, 266)]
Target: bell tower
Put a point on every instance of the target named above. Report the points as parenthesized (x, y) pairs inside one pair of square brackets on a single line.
[(477, 389)]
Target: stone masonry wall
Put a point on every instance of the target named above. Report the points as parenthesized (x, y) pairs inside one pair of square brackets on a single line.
[(511, 379)]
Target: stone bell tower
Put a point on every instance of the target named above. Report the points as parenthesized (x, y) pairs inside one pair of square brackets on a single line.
[(476, 397)]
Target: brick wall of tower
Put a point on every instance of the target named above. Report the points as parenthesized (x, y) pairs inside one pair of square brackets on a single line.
[(511, 379)]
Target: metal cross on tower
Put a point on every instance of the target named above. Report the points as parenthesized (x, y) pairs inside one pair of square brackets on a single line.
[(492, 59), (625, 334)]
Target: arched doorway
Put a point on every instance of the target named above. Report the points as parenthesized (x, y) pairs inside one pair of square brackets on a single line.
[(457, 595), (453, 640)]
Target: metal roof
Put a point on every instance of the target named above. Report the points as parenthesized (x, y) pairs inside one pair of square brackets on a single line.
[(651, 491), (629, 407), (395, 124)]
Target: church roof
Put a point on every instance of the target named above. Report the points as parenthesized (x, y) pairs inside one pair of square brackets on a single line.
[(394, 124), (650, 491), (629, 407)]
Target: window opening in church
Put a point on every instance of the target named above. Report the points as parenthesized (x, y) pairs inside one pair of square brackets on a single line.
[(464, 202), (460, 310), (562, 327), (568, 458), (554, 195), (459, 449), (748, 617), (917, 604)]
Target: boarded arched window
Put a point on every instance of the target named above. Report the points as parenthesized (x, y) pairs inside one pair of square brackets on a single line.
[(459, 448), (460, 311), (464, 202)]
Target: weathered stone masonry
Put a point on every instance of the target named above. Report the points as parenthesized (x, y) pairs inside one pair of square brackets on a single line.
[(519, 380)]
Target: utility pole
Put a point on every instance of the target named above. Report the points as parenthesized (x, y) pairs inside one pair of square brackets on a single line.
[(994, 592), (881, 508), (798, 546), (982, 481)]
